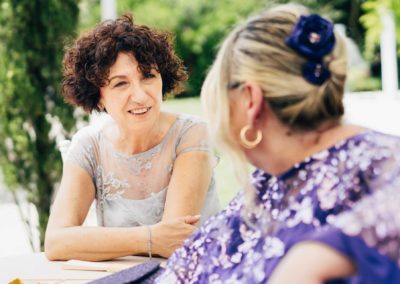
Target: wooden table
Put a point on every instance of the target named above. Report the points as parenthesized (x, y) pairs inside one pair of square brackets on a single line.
[(35, 268)]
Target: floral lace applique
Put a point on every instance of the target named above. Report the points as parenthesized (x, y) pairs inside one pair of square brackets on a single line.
[(139, 163), (110, 187)]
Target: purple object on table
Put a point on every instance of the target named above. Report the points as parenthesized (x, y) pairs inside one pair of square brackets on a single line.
[(142, 273)]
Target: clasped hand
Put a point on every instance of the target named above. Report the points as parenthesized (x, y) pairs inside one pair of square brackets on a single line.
[(169, 235)]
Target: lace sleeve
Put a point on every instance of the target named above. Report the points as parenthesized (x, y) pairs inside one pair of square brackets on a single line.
[(81, 151), (193, 137)]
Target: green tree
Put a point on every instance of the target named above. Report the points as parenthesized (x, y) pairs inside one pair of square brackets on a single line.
[(32, 36), (373, 24), (199, 26)]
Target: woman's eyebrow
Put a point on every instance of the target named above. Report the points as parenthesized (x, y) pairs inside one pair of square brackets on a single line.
[(116, 77)]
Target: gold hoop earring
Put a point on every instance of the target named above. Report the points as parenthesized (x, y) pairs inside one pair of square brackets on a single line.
[(246, 142)]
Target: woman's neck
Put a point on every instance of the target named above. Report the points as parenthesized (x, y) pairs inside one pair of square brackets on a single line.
[(280, 150), (137, 141)]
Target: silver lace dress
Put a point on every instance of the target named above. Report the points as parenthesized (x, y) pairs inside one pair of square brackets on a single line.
[(131, 189)]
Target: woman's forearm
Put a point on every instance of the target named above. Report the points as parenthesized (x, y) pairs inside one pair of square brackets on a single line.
[(95, 243), (319, 263)]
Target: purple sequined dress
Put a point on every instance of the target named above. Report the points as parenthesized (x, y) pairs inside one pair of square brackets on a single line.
[(347, 197)]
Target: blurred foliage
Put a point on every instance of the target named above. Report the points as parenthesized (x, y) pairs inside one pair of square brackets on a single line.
[(89, 14), (373, 24), (198, 28), (358, 81), (371, 20), (32, 36)]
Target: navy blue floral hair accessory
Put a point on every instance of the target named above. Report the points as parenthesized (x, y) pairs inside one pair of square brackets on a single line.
[(313, 38)]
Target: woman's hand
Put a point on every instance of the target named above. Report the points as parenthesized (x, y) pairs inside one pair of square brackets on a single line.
[(311, 263), (167, 236)]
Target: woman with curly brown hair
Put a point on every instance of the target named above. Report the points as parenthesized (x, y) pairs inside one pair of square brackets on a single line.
[(150, 171)]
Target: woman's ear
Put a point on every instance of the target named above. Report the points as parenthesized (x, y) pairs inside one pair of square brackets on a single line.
[(100, 104), (255, 103)]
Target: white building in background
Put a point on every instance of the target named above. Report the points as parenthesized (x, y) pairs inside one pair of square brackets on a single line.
[(389, 55), (108, 9)]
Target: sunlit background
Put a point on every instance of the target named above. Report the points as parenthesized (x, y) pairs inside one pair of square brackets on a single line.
[(34, 119)]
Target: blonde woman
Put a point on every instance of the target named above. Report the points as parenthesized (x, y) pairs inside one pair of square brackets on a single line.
[(323, 202)]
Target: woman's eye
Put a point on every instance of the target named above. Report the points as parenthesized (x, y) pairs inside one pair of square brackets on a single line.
[(149, 76), (119, 84)]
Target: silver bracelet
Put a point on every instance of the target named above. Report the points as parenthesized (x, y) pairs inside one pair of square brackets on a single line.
[(149, 242)]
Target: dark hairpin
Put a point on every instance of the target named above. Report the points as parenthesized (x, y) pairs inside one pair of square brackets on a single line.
[(313, 38)]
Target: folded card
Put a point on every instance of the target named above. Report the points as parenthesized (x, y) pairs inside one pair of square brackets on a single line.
[(90, 265)]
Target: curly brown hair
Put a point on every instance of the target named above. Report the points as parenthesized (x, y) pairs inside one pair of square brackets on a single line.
[(87, 62)]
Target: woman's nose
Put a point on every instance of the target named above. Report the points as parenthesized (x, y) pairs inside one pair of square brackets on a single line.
[(138, 94)]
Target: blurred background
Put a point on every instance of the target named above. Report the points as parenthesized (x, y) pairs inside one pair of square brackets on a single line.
[(34, 118)]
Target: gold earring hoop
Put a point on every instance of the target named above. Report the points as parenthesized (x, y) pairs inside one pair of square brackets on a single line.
[(246, 142)]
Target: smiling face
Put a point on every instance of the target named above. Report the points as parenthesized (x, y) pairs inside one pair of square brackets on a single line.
[(131, 98)]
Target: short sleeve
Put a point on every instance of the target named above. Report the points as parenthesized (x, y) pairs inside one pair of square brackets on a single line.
[(81, 151), (193, 137), (372, 266), (368, 234)]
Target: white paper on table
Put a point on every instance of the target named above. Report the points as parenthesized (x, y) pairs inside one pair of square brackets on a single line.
[(91, 266)]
